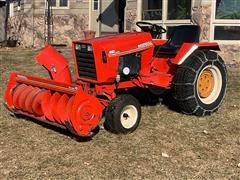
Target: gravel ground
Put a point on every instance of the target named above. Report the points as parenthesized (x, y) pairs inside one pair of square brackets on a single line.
[(167, 145)]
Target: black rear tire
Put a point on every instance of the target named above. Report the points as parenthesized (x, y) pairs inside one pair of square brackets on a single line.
[(200, 83), (123, 114)]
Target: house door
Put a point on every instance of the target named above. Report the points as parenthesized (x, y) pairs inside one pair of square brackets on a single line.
[(108, 17)]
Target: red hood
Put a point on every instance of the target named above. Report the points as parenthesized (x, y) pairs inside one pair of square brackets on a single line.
[(119, 42)]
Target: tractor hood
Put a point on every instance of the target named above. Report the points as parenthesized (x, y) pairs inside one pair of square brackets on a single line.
[(97, 60), (121, 43)]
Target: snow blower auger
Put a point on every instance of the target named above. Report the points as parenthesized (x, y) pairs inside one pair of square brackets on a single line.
[(109, 67)]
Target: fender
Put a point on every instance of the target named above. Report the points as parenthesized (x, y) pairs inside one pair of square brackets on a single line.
[(188, 48)]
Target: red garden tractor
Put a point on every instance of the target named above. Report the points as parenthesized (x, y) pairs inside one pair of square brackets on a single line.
[(108, 67)]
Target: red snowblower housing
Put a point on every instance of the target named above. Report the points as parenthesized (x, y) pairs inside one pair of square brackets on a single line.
[(108, 67)]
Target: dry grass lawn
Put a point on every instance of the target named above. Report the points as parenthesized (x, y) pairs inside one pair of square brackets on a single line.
[(167, 145)]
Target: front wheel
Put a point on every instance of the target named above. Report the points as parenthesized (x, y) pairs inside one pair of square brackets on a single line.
[(200, 83), (123, 114)]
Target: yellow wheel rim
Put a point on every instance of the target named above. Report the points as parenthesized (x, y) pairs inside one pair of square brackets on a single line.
[(205, 83)]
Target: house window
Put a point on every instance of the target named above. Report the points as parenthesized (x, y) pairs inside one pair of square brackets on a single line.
[(19, 5), (63, 3), (152, 10), (227, 33), (179, 9), (167, 13), (95, 4), (59, 3), (226, 23), (53, 3), (227, 9)]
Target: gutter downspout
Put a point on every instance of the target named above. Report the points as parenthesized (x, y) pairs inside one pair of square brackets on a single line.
[(33, 28), (6, 19)]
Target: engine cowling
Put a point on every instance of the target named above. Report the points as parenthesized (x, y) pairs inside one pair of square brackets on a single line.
[(104, 59)]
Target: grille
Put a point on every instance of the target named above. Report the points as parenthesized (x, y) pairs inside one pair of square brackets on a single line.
[(86, 63)]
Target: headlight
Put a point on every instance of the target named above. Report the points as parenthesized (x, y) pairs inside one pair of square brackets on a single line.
[(89, 48), (83, 47), (126, 71), (78, 47)]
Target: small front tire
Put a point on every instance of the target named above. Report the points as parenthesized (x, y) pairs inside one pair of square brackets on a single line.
[(123, 114)]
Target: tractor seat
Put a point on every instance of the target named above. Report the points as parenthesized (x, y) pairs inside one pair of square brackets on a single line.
[(181, 34)]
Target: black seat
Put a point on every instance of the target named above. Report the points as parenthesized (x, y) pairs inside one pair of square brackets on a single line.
[(181, 34)]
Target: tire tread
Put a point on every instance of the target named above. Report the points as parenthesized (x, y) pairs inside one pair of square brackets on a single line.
[(185, 82)]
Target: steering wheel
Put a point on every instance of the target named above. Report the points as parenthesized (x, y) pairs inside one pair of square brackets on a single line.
[(154, 29)]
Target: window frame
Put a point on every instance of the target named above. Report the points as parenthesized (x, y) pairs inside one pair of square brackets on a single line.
[(58, 5), (221, 22), (166, 22), (93, 1), (11, 9)]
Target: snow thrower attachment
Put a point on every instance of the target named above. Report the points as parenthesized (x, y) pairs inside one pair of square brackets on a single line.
[(111, 70), (57, 100)]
